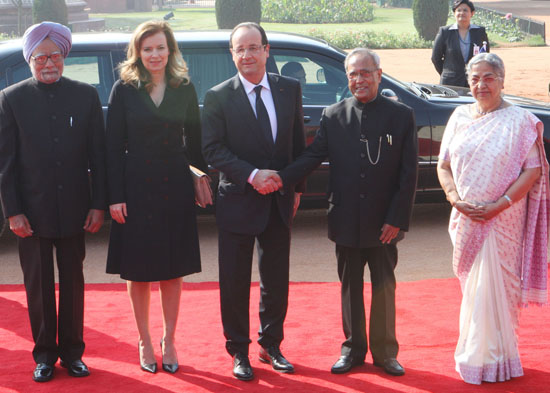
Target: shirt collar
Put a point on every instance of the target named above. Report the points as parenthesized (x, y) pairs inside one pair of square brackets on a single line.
[(455, 26), (248, 86)]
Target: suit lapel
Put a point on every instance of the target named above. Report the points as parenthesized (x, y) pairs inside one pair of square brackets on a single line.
[(278, 93)]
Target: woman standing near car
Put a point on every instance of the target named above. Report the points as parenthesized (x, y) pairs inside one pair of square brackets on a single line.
[(494, 172), (455, 45), (153, 133)]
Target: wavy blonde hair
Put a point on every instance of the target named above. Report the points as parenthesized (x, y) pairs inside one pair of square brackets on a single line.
[(132, 70)]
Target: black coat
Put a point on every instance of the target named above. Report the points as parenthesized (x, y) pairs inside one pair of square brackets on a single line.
[(149, 150), (233, 144), (50, 136), (447, 56), (365, 191)]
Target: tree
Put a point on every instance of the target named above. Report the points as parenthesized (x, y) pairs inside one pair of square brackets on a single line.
[(428, 16), (50, 10), (229, 13)]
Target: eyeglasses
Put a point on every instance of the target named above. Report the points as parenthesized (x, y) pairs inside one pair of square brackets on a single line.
[(43, 59), (365, 74), (486, 80), (252, 50)]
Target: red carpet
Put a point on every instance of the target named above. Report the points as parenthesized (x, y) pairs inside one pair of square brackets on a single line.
[(427, 331)]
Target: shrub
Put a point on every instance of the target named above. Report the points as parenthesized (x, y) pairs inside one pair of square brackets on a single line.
[(317, 11), (497, 24), (428, 16), (229, 13), (370, 39), (50, 10)]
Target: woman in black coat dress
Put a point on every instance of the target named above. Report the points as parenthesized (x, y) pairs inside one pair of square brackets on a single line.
[(153, 134), (455, 45)]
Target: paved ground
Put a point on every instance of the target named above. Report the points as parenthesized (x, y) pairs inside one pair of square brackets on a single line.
[(425, 252)]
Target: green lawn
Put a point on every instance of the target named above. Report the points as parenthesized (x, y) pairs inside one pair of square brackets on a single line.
[(395, 20)]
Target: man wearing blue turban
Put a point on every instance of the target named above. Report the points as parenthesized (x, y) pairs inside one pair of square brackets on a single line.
[(51, 138)]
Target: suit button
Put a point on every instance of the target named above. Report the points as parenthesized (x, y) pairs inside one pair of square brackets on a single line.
[(56, 139), (362, 175), (58, 163), (51, 95), (363, 155), (54, 117), (362, 196), (59, 187)]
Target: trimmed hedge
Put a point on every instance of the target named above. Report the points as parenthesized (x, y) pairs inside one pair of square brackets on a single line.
[(428, 16), (369, 39), (50, 10), (317, 11), (229, 13)]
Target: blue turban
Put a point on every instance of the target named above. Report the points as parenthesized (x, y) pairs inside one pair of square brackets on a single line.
[(59, 34)]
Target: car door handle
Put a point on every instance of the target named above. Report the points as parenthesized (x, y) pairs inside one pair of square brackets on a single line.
[(307, 119)]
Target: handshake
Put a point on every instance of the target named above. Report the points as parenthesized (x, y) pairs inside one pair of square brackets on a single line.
[(267, 181)]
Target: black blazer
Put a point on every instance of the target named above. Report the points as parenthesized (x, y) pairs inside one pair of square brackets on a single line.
[(447, 56), (233, 143), (50, 136), (363, 196)]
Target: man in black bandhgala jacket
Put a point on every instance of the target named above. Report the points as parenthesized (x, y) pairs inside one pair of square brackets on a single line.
[(51, 136), (371, 144)]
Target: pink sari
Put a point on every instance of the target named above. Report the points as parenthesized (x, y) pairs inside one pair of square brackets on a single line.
[(502, 263)]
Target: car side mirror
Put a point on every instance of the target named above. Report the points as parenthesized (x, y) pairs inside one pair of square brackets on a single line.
[(321, 75)]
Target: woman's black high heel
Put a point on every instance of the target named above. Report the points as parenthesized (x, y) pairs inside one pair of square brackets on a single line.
[(147, 367), (169, 368)]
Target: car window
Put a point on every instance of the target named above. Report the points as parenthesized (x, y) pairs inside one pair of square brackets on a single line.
[(208, 67), (324, 80), (93, 68)]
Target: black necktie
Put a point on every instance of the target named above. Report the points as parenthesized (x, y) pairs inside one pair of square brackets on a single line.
[(261, 114)]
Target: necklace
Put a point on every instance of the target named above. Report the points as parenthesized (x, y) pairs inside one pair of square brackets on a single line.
[(479, 111), (368, 150)]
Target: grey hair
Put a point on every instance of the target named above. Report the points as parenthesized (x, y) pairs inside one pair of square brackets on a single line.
[(363, 52), (490, 58)]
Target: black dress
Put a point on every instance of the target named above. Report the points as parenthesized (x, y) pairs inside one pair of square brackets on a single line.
[(149, 150)]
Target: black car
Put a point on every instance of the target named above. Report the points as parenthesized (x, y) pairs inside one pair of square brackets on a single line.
[(94, 57)]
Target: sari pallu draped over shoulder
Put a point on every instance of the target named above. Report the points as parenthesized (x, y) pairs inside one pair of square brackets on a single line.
[(486, 156)]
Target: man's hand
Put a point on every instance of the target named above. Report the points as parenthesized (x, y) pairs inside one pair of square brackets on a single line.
[(297, 196), (118, 212), (389, 232), (94, 220), (20, 225), (266, 181)]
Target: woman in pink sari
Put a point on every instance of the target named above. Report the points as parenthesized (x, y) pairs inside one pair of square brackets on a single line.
[(495, 175)]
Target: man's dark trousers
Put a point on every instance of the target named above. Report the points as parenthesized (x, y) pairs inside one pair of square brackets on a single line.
[(36, 256), (351, 266)]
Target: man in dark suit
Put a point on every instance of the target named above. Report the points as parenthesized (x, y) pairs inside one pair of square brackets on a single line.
[(252, 122), (51, 134), (371, 144)]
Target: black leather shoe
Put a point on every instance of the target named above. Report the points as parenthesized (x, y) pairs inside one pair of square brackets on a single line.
[(273, 356), (242, 369), (345, 363), (391, 366), (42, 373), (76, 368)]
